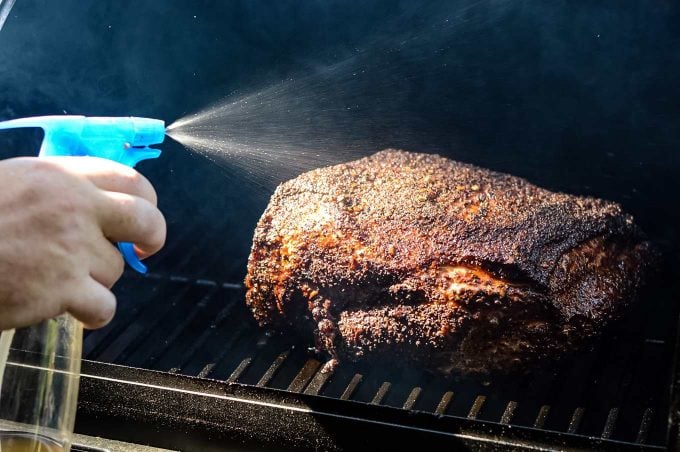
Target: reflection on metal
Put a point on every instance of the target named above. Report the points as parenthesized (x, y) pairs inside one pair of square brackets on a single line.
[(5, 8)]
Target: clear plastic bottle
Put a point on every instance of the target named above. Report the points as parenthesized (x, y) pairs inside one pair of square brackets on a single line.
[(39, 385)]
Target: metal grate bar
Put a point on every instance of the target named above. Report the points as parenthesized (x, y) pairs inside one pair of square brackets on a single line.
[(304, 376), (217, 336), (319, 381), (382, 392), (542, 416), (117, 347), (177, 331), (206, 370), (645, 424), (575, 384), (146, 325), (190, 252), (218, 363), (202, 339), (610, 423), (216, 262), (351, 387), (576, 419), (126, 313), (412, 398), (227, 349), (444, 402), (239, 370), (161, 328), (276, 365), (476, 407), (509, 412)]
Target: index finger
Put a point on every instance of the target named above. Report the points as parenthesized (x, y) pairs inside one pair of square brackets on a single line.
[(109, 175), (126, 218)]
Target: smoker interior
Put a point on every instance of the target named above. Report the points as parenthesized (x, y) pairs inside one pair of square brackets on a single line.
[(578, 97), (170, 321)]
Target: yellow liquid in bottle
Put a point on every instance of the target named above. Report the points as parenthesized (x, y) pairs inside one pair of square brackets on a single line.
[(22, 442)]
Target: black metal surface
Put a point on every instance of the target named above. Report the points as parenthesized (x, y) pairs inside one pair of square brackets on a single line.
[(613, 397), (161, 409), (674, 414)]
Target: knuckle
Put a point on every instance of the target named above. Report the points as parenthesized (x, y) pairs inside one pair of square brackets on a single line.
[(160, 225), (41, 181), (152, 195), (68, 207), (64, 235), (141, 185), (49, 173), (106, 311), (157, 230), (12, 300), (130, 214), (72, 229), (41, 166), (98, 311), (69, 242), (134, 178), (128, 209), (149, 217)]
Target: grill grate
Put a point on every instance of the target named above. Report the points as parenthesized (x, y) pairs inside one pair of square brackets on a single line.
[(201, 328)]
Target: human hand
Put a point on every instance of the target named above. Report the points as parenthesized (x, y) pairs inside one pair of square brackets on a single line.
[(58, 219)]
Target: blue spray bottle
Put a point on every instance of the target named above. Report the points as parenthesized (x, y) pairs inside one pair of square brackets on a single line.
[(38, 394)]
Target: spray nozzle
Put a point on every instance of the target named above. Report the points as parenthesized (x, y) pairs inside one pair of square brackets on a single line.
[(125, 140)]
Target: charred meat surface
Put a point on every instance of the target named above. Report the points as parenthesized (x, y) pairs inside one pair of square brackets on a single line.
[(416, 257)]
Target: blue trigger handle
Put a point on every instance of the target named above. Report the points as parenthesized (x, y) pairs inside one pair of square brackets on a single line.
[(122, 139), (127, 249)]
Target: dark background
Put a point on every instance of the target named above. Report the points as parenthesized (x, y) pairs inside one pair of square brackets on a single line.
[(582, 97)]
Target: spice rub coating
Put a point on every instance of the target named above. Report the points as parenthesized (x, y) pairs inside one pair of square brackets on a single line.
[(453, 266)]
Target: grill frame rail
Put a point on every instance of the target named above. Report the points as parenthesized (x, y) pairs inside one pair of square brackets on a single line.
[(190, 413)]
